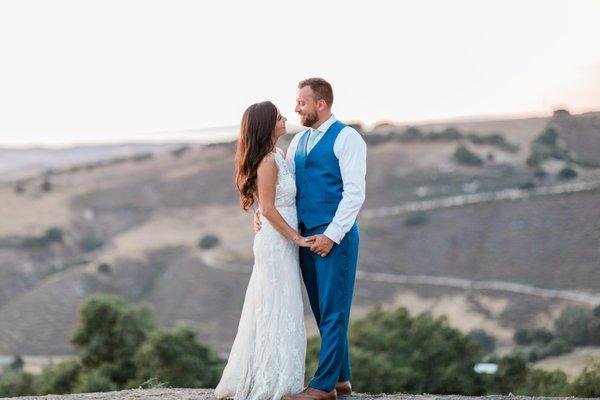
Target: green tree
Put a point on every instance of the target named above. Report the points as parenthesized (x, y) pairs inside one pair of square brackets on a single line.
[(544, 383), (548, 137), (522, 336), (394, 352), (59, 379), (176, 358), (108, 334), (511, 375), (17, 363), (587, 383), (541, 335), (573, 326), (96, 380), (484, 339), (17, 383)]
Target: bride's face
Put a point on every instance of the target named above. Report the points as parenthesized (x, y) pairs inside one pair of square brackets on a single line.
[(279, 129)]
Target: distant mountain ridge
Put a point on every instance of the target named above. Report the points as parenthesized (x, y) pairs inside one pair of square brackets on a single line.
[(16, 162)]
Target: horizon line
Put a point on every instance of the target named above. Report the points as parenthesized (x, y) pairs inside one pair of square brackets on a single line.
[(224, 137)]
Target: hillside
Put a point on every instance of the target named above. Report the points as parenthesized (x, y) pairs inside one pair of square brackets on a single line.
[(145, 217)]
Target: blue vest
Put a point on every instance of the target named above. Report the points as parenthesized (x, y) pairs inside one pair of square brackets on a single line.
[(318, 179)]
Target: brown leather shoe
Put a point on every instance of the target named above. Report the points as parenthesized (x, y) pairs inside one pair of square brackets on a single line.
[(312, 394), (343, 388)]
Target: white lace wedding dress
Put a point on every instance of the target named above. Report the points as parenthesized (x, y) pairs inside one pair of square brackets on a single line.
[(268, 354)]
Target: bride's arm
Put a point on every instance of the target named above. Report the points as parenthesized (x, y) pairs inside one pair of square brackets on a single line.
[(266, 181)]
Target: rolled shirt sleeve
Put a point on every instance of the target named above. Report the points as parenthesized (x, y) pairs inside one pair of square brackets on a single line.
[(351, 151)]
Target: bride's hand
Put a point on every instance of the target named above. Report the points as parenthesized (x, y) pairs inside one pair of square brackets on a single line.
[(304, 242)]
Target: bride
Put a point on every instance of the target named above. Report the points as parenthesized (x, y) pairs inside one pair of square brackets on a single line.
[(268, 354)]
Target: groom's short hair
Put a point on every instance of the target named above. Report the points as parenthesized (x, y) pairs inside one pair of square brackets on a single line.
[(321, 88)]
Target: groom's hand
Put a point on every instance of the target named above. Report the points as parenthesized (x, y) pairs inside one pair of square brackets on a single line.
[(322, 245), (257, 224)]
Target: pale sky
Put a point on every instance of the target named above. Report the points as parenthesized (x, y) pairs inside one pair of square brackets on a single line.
[(80, 71)]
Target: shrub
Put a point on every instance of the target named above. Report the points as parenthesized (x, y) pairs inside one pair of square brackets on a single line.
[(16, 383), (175, 357), (107, 335), (54, 235), (548, 137), (51, 235), (485, 340), (527, 185), (59, 379), (540, 173), (512, 373), (142, 157), (587, 383), (557, 347), (522, 336), (546, 146), (412, 133), (392, 352), (416, 218), (545, 383), (595, 331), (208, 242), (17, 363), (94, 380), (46, 185), (541, 335), (463, 156), (448, 134), (535, 354), (19, 187), (90, 243), (567, 173), (104, 268), (572, 326), (493, 139), (178, 152)]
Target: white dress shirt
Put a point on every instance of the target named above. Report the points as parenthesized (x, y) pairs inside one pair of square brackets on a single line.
[(351, 151)]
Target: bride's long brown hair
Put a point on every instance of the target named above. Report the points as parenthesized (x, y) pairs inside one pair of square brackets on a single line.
[(255, 142)]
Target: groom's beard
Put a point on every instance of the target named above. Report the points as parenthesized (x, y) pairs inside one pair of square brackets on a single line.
[(309, 120)]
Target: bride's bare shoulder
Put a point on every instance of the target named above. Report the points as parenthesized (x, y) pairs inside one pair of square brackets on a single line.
[(267, 163)]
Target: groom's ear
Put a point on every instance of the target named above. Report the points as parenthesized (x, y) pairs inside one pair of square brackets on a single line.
[(322, 104)]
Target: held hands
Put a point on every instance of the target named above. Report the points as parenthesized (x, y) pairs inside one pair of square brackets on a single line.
[(321, 244), (303, 241)]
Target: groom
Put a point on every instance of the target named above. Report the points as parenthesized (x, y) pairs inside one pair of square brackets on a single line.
[(329, 160)]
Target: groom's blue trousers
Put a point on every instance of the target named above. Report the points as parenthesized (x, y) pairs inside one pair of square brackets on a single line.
[(329, 284)]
